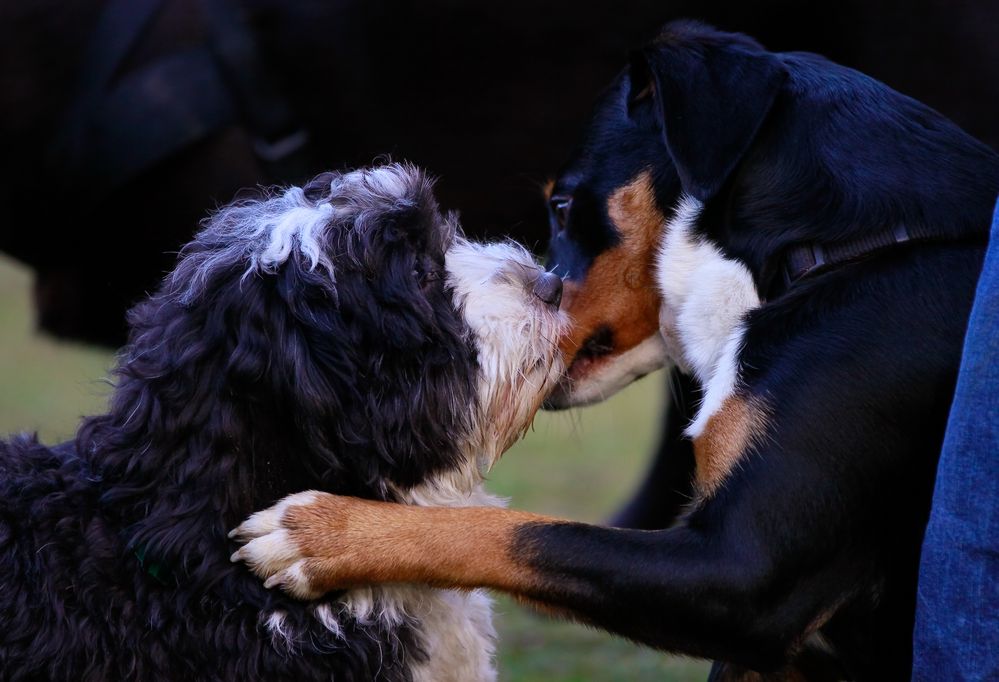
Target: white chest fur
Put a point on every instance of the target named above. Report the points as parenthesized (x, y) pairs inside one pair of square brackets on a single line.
[(459, 637), (705, 299), (454, 626)]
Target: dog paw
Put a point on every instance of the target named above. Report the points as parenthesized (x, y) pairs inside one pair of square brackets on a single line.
[(269, 520), (272, 552), (311, 543)]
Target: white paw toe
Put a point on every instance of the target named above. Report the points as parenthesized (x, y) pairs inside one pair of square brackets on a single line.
[(261, 523), (269, 553), (293, 581), (269, 520)]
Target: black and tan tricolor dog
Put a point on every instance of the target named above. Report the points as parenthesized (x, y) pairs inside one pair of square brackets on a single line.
[(804, 242)]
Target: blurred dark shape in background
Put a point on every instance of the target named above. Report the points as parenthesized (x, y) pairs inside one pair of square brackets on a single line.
[(124, 122)]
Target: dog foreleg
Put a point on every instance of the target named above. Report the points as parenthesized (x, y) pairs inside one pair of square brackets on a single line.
[(693, 591)]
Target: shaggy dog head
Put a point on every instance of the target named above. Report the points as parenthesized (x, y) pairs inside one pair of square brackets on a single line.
[(343, 336)]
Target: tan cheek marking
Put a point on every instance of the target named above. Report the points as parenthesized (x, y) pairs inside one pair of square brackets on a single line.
[(361, 542), (619, 291), (729, 432)]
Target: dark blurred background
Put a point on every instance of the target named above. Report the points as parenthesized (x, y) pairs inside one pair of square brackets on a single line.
[(123, 123)]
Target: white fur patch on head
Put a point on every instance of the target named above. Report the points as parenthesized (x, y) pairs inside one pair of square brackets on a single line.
[(516, 335), (264, 234), (295, 223), (705, 298)]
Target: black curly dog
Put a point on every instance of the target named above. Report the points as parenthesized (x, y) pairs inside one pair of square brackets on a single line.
[(315, 339)]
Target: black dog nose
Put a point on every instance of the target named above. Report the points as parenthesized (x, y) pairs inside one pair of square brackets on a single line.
[(548, 287)]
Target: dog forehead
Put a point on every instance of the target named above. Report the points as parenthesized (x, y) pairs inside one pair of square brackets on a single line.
[(395, 195), (379, 212), (602, 217), (613, 149), (620, 145)]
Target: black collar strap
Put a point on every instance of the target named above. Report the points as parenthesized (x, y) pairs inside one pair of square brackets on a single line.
[(804, 259)]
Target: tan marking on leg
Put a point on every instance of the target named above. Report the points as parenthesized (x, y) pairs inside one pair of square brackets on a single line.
[(728, 434), (619, 291), (347, 541)]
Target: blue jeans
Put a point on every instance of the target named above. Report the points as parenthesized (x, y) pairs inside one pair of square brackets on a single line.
[(957, 611)]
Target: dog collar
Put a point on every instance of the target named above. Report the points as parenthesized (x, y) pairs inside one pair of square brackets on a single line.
[(805, 259)]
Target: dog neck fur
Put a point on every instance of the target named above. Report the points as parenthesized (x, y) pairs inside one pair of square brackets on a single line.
[(455, 626), (705, 298)]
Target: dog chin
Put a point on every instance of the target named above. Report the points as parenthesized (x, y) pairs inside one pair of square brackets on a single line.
[(591, 380)]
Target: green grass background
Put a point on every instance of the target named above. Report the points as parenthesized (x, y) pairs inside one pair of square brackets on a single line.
[(579, 465)]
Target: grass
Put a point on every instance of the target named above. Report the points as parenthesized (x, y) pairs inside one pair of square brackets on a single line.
[(45, 385), (577, 465)]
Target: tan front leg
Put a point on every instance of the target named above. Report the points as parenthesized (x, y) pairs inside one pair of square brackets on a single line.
[(312, 542)]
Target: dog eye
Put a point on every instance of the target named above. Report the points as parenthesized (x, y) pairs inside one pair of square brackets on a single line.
[(560, 209), (428, 277)]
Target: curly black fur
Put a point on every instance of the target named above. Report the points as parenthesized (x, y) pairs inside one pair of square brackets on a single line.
[(242, 382)]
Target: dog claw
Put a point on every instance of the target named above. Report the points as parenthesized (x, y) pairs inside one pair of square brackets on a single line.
[(234, 532), (236, 557), (273, 581)]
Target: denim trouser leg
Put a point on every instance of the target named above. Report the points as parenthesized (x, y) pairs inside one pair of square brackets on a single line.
[(957, 612)]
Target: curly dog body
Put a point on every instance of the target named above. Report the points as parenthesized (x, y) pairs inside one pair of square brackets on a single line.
[(342, 337)]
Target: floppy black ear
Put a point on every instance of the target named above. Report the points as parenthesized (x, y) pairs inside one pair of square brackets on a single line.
[(713, 95)]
